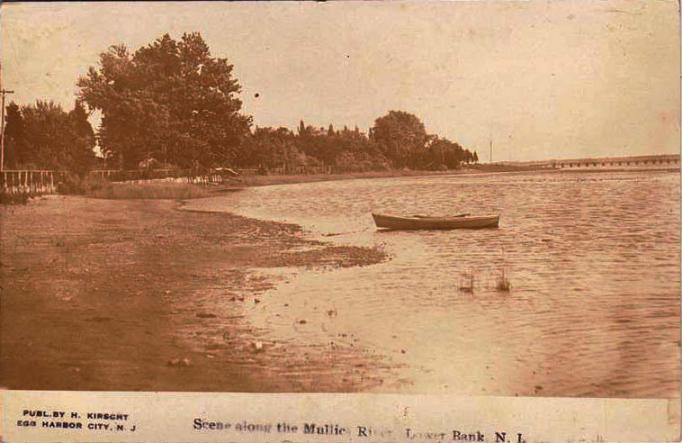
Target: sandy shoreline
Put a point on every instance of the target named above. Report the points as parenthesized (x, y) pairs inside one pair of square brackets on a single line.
[(137, 295)]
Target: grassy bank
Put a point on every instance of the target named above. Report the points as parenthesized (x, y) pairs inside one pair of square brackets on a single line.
[(102, 189), (264, 180), (160, 190)]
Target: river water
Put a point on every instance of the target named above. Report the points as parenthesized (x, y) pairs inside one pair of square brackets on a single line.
[(593, 260)]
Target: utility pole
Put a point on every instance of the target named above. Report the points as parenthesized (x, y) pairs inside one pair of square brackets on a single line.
[(490, 141), (3, 92), (491, 150)]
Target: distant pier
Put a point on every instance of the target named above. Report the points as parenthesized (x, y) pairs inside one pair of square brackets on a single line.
[(642, 162)]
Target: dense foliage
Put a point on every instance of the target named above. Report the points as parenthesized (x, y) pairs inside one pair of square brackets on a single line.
[(397, 140), (344, 150), (171, 103), (44, 136)]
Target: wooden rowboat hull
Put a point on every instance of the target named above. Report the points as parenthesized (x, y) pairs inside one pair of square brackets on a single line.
[(467, 222)]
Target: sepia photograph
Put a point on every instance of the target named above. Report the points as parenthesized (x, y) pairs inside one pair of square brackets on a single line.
[(475, 198)]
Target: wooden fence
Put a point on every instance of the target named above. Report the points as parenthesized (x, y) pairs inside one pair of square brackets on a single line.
[(35, 182), (200, 175), (29, 182), (156, 175)]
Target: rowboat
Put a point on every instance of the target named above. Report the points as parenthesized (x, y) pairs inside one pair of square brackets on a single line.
[(462, 221)]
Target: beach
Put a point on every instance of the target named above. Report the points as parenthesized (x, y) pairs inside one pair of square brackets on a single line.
[(134, 295)]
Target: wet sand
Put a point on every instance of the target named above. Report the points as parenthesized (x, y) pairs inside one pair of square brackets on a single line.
[(137, 295)]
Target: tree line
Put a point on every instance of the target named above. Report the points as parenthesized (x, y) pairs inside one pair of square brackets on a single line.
[(172, 104)]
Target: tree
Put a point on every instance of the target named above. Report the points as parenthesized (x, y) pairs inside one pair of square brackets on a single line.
[(79, 116), (16, 151), (45, 136), (82, 139), (274, 148), (400, 136), (170, 100)]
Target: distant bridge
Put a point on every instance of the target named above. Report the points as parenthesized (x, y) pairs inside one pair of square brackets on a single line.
[(641, 162)]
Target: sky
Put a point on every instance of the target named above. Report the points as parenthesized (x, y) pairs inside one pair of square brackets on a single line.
[(541, 79)]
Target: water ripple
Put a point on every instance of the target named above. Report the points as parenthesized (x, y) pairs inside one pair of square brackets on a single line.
[(593, 260)]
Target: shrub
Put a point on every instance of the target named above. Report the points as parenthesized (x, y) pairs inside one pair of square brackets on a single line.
[(164, 190), (503, 284), (74, 184)]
